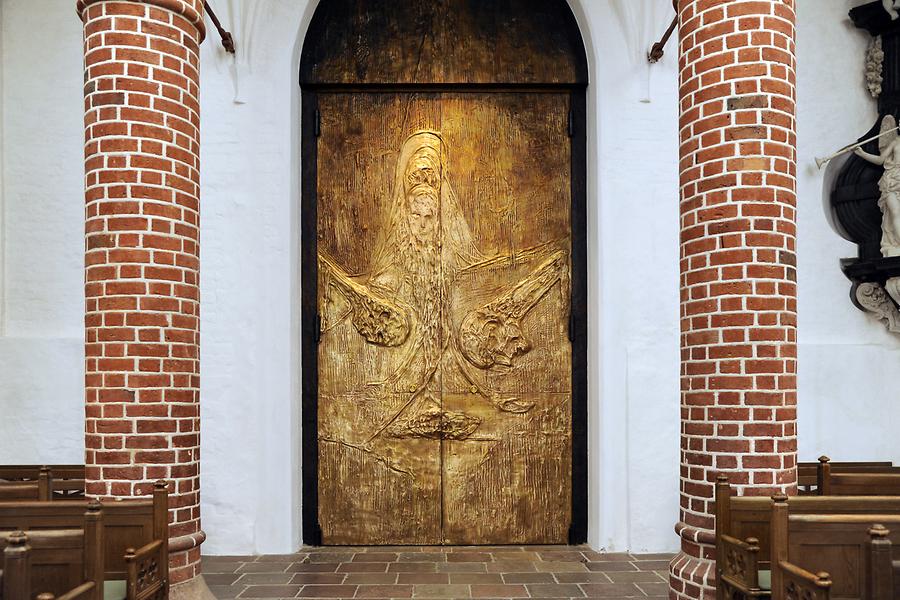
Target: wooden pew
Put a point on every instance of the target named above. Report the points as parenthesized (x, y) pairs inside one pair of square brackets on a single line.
[(135, 533), (67, 563), (876, 482), (66, 481), (796, 583), (884, 569), (38, 488), (838, 543), (808, 472), (743, 529)]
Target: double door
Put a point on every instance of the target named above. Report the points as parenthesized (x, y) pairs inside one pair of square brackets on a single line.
[(444, 246)]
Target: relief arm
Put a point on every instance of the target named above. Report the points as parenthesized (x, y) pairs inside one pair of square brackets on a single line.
[(379, 320), (875, 160)]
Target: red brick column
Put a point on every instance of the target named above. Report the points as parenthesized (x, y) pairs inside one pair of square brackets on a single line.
[(142, 119), (738, 268)]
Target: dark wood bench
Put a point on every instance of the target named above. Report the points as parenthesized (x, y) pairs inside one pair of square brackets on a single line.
[(66, 481), (808, 472), (743, 529), (36, 488), (874, 482), (66, 563), (135, 537), (837, 543), (884, 568)]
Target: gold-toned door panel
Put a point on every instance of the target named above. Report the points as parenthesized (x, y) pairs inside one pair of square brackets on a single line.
[(444, 363)]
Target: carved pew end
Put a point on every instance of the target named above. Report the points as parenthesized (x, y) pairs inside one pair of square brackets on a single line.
[(823, 579)]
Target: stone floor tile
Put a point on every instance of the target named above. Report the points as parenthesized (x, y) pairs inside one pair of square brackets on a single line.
[(462, 567), (560, 567), (413, 567), (384, 557), (611, 590), (327, 591), (607, 556), (330, 557), (225, 592), (220, 578), (610, 566), (305, 567), (422, 557), (207, 566), (654, 589), (499, 573), (653, 565), (296, 557), (475, 578), (363, 567), (325, 578), (507, 554), (265, 578), (510, 566), (457, 557), (665, 557), (555, 590), (633, 576), (270, 591), (423, 578), (562, 556), (528, 578), (371, 578), (498, 591), (263, 567), (584, 577), (441, 591), (384, 591)]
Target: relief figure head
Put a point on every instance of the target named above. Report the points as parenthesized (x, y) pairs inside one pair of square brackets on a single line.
[(424, 217), (489, 339)]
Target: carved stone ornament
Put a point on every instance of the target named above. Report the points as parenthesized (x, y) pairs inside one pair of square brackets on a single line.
[(875, 67), (864, 190), (874, 299)]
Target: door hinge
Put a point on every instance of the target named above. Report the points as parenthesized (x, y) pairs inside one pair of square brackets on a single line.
[(571, 123), (318, 328), (318, 124)]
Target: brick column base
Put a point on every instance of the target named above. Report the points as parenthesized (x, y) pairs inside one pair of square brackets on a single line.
[(692, 573)]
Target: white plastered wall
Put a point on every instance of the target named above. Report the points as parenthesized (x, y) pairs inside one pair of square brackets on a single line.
[(250, 269), (42, 228), (847, 363)]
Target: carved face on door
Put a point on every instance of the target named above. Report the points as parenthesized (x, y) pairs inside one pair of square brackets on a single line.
[(424, 342)]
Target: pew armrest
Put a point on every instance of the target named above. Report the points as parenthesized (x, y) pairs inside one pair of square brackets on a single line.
[(800, 583), (85, 590), (148, 572), (739, 565)]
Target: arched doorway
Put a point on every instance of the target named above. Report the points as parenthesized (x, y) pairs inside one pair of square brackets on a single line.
[(444, 273)]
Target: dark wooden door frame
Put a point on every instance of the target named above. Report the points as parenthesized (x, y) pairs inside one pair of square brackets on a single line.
[(312, 534)]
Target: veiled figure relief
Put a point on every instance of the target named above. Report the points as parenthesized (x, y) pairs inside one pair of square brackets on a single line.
[(403, 300), (444, 411)]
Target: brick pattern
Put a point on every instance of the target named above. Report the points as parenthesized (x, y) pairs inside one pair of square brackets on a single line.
[(738, 266), (142, 255), (439, 572)]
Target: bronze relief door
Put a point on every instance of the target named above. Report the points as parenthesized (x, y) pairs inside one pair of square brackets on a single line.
[(444, 248)]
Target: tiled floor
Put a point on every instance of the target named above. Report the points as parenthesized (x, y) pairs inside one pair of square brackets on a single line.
[(560, 572)]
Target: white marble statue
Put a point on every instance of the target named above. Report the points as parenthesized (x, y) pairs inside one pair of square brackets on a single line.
[(891, 6), (889, 184)]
